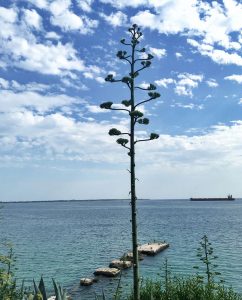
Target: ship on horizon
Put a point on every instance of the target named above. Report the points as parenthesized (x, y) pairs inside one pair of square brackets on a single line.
[(228, 198)]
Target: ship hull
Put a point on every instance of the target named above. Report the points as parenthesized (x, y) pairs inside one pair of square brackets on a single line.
[(212, 199)]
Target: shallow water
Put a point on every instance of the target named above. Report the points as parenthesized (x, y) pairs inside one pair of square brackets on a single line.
[(69, 240)]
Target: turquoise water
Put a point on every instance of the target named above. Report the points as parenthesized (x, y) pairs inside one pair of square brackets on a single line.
[(69, 240)]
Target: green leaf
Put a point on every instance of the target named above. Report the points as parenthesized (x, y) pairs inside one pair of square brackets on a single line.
[(126, 103), (121, 54), (146, 64), (122, 141), (144, 121), (154, 95), (150, 56), (152, 87), (136, 114), (42, 288), (154, 136), (106, 105), (114, 131), (109, 78), (126, 79)]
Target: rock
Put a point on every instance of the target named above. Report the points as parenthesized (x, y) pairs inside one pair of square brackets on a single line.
[(129, 257), (120, 264), (152, 248), (108, 272), (86, 281)]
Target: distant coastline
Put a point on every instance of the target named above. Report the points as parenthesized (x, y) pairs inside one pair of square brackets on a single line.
[(96, 200), (90, 200)]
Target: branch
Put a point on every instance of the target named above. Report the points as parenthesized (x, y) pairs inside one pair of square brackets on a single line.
[(144, 140), (151, 87), (115, 131), (125, 147), (149, 57), (153, 95), (143, 102), (111, 79), (120, 109), (124, 43), (153, 136), (126, 58)]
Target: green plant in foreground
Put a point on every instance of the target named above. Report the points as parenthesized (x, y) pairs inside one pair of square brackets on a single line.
[(136, 56), (40, 292), (8, 289), (206, 255)]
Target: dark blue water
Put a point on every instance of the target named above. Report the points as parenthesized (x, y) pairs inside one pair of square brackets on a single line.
[(69, 240)]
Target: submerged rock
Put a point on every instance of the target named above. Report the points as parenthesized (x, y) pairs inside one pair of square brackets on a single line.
[(108, 272), (129, 257), (120, 264), (86, 281)]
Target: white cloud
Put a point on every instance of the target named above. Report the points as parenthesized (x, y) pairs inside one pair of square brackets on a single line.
[(32, 19), (122, 3), (234, 77), (217, 55), (21, 101), (164, 82), (191, 106), (52, 35), (159, 53), (85, 5), (95, 109), (115, 19), (186, 83), (40, 3), (212, 23), (63, 17), (178, 55), (21, 49), (212, 83), (222, 57), (8, 15), (4, 84)]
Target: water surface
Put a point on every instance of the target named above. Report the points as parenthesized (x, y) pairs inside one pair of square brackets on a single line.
[(69, 240)]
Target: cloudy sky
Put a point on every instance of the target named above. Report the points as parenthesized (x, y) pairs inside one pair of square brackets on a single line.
[(54, 56)]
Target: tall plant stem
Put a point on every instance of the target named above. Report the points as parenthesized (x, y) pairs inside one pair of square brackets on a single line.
[(133, 191)]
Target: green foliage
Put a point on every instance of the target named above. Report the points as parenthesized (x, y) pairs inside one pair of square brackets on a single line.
[(154, 95), (136, 114), (144, 121), (184, 289), (106, 105), (154, 136), (8, 289), (127, 80), (109, 78), (126, 103), (114, 131), (206, 256), (121, 54), (122, 142), (152, 87)]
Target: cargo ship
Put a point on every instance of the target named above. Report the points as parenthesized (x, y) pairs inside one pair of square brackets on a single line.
[(228, 198)]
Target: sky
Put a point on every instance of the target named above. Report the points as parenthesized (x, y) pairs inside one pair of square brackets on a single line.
[(54, 57)]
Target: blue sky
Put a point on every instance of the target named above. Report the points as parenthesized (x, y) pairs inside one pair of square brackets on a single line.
[(54, 141)]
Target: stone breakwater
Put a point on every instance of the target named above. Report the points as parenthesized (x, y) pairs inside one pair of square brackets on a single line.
[(125, 262)]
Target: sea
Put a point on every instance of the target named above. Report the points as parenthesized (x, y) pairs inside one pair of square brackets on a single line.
[(68, 240)]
